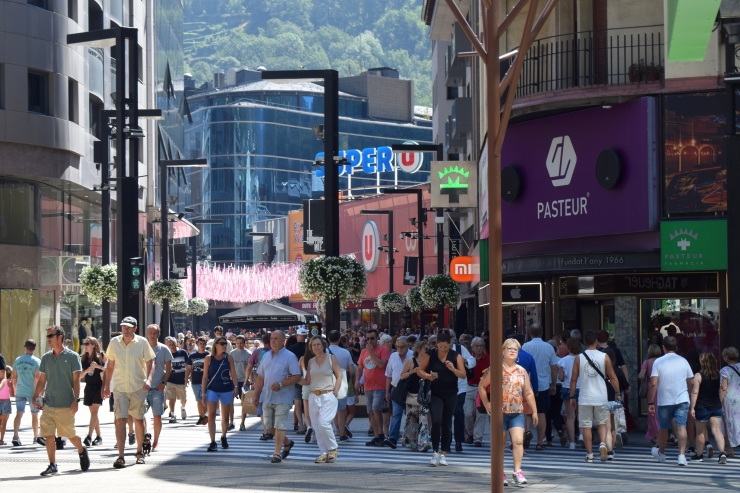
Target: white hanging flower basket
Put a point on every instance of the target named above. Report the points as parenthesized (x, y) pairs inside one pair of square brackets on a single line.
[(169, 289), (391, 302), (197, 306), (326, 278), (99, 282), (440, 290), (414, 300)]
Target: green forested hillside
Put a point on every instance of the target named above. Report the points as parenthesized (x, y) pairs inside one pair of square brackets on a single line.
[(346, 35)]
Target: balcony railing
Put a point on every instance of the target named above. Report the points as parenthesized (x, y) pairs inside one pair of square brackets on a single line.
[(587, 59)]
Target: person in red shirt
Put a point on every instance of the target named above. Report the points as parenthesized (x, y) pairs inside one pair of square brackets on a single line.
[(475, 422), (371, 367)]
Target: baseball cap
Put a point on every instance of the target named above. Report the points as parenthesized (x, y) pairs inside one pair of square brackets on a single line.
[(302, 331), (129, 322)]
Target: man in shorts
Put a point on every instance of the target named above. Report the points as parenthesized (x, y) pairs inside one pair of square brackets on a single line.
[(277, 374), (162, 368), (371, 365), (240, 355), (670, 380), (130, 359), (194, 375), (59, 375), (25, 376), (175, 389)]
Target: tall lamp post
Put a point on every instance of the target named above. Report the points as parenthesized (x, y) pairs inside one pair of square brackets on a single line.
[(193, 240), (439, 220), (391, 251), (127, 128), (330, 80), (164, 267)]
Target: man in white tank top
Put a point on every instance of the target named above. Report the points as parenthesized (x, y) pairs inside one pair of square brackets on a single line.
[(592, 366)]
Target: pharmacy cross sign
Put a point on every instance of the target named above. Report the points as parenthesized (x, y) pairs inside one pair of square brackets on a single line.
[(693, 245), (454, 184), (454, 188)]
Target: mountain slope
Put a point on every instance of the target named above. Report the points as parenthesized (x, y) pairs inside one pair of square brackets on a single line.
[(348, 36)]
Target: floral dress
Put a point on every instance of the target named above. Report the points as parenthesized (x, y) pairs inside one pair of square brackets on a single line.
[(416, 430), (731, 403)]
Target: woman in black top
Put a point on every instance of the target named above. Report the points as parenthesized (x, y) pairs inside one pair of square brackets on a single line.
[(442, 366), (93, 367), (416, 431), (707, 407)]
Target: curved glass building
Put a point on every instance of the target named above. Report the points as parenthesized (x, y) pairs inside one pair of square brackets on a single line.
[(261, 148)]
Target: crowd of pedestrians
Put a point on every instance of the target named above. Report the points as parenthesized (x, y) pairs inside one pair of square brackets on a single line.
[(572, 388)]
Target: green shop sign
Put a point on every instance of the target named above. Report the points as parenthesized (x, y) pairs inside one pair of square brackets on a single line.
[(454, 184), (693, 245)]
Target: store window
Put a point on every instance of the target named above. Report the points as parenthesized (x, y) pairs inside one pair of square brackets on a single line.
[(694, 322), (695, 166), (18, 213)]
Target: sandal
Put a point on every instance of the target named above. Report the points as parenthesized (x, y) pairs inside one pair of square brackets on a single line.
[(562, 438), (120, 463), (140, 458), (266, 436), (287, 449), (539, 447), (276, 459)]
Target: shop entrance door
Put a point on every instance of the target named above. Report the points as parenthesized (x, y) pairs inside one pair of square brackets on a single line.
[(596, 315)]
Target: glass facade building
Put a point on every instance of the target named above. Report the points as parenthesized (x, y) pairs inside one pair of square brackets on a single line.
[(261, 148)]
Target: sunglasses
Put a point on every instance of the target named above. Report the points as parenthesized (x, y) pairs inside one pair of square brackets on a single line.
[(52, 336), (222, 343), (370, 338), (87, 344)]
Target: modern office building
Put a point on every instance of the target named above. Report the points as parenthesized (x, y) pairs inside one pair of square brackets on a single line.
[(51, 95), (261, 147)]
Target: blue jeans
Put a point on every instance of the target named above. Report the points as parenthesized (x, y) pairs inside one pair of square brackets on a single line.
[(395, 426), (155, 401), (679, 412)]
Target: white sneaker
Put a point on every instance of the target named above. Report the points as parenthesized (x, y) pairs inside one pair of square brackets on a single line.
[(661, 457), (603, 452), (519, 477), (506, 480), (681, 460), (572, 446), (435, 459), (442, 460)]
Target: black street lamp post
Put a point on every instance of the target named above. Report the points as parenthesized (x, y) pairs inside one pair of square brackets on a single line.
[(330, 80)]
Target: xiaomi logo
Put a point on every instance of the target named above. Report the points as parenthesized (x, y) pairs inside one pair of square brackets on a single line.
[(462, 269)]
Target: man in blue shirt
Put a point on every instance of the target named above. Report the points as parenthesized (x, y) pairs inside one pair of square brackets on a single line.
[(526, 361), (277, 373), (25, 376)]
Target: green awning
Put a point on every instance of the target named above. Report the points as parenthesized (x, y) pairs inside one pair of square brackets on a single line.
[(690, 24), (483, 245)]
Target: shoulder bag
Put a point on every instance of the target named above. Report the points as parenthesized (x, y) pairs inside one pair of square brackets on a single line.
[(342, 386), (424, 398), (399, 392), (593, 365)]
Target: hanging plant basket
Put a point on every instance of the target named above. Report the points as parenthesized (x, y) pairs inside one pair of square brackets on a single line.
[(391, 302), (327, 278), (180, 306), (197, 307), (169, 289), (440, 290), (99, 282), (414, 300)]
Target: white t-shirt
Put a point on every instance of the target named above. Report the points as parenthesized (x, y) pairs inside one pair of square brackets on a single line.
[(566, 363), (672, 371)]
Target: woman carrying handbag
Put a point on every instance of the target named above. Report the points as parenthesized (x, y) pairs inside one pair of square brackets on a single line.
[(416, 431)]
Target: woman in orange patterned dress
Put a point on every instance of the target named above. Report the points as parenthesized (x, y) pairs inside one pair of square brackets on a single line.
[(516, 387)]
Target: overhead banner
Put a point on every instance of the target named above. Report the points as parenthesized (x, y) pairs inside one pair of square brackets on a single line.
[(454, 184), (410, 270), (693, 245)]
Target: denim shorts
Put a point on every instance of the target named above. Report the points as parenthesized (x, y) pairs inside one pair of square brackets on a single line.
[(565, 394), (5, 408), (374, 400), (197, 391), (155, 402), (342, 404), (513, 421), (275, 415), (679, 412), (226, 398), (20, 405), (703, 414)]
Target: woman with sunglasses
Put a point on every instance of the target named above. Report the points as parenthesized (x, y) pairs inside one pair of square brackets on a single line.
[(93, 368), (219, 382), (515, 384)]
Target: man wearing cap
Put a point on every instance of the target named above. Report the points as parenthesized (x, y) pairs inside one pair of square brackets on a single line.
[(299, 349), (219, 331), (130, 364)]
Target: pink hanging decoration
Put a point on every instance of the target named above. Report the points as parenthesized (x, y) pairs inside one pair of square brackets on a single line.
[(244, 284)]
